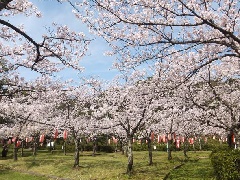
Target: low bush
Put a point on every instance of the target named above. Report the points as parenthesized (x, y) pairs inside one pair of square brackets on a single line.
[(226, 164), (107, 149)]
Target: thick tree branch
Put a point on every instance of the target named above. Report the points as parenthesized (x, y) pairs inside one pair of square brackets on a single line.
[(25, 36)]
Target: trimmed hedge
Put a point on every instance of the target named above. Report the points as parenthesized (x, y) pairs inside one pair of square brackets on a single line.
[(226, 164)]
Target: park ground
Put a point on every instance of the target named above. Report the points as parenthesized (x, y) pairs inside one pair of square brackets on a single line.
[(106, 166)]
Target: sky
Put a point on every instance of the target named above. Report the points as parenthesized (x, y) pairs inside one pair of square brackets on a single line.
[(95, 63)]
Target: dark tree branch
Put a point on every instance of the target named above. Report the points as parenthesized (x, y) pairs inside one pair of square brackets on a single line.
[(25, 36)]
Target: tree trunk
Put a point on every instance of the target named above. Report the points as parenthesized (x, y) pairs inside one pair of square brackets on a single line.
[(130, 155), (185, 148), (34, 148), (200, 144), (230, 140), (22, 146), (81, 145), (94, 146), (126, 150), (76, 156), (236, 145), (50, 146), (121, 146), (149, 142), (64, 147), (169, 149), (194, 146), (15, 150)]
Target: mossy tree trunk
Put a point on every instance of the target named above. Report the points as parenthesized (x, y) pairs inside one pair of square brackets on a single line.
[(170, 141), (35, 147), (169, 149), (149, 143), (94, 146), (22, 146), (15, 150), (121, 146), (130, 155), (77, 154), (185, 148)]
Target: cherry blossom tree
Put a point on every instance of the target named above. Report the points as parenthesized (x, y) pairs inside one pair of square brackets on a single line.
[(78, 120), (219, 102), (31, 107), (181, 40), (182, 36), (125, 109), (192, 48), (59, 48)]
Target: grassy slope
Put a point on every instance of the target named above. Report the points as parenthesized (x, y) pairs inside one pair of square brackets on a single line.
[(106, 166)]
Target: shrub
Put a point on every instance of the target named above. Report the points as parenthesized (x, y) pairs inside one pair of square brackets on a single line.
[(140, 147), (226, 164), (107, 149)]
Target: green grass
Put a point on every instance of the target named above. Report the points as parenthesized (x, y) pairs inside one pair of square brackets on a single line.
[(11, 175), (106, 166), (198, 166)]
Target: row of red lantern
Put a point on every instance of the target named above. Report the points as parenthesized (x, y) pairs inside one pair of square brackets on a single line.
[(65, 135), (41, 138), (177, 141), (165, 138), (18, 143), (160, 138), (114, 140)]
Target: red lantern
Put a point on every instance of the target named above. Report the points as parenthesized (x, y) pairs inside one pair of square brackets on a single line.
[(18, 143), (178, 143), (13, 139), (164, 138), (56, 134), (159, 139), (41, 138), (191, 140), (233, 138), (152, 136), (65, 134)]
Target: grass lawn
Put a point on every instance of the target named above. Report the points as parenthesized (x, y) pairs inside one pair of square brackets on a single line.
[(106, 166)]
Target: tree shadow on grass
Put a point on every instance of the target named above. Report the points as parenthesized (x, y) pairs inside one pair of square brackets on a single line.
[(32, 164), (4, 171)]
